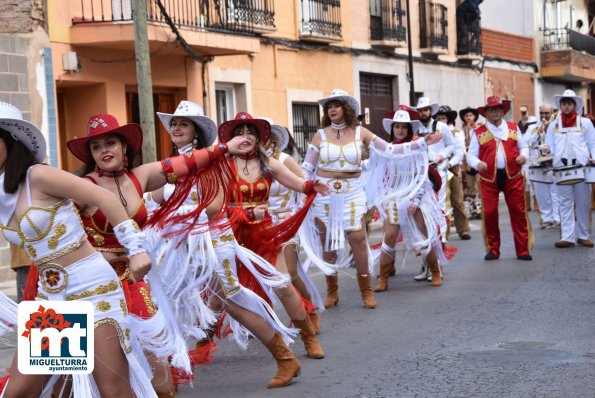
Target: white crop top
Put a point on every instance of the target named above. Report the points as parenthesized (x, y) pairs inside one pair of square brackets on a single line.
[(46, 233), (281, 198), (343, 158)]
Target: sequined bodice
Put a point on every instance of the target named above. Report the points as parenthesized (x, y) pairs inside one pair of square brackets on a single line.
[(343, 158), (100, 231), (281, 198), (253, 192), (47, 232)]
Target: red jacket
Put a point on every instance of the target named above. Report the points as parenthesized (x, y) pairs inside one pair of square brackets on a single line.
[(488, 152)]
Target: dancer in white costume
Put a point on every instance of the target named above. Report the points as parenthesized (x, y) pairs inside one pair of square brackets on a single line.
[(419, 212), (35, 214), (335, 156), (206, 267), (282, 204)]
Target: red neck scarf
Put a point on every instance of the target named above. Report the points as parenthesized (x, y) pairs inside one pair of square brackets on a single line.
[(104, 173), (569, 120)]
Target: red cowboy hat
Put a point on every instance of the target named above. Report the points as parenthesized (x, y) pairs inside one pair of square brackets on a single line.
[(105, 124), (413, 114), (263, 127), (493, 102)]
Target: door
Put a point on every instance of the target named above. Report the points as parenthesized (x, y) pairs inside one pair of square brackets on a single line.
[(376, 93)]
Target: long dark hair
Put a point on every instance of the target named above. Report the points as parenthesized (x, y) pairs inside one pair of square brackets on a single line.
[(89, 166), (349, 115), (409, 135), (262, 157), (199, 135), (18, 161)]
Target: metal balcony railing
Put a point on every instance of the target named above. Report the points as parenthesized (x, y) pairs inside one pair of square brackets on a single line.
[(566, 39), (433, 25), (387, 20), (235, 16), (469, 37), (321, 18)]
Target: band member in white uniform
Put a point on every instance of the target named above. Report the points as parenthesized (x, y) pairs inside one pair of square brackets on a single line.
[(570, 138)]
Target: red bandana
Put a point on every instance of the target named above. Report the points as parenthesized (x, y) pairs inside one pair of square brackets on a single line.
[(569, 120)]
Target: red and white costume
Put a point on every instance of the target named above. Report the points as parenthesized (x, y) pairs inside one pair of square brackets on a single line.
[(499, 146)]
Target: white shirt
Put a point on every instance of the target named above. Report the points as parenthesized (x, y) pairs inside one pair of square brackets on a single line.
[(445, 147), (501, 134), (572, 142), (459, 153)]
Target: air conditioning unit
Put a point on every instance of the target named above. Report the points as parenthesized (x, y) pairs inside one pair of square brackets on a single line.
[(70, 62)]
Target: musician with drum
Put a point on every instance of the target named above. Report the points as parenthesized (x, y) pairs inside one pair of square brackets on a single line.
[(541, 173), (570, 138)]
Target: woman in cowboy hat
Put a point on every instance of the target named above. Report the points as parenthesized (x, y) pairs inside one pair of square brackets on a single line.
[(253, 226), (282, 204), (402, 129), (334, 155), (105, 151), (221, 286), (69, 267)]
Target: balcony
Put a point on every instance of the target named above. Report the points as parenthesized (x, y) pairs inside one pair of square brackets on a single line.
[(197, 21), (320, 20), (433, 28), (567, 56), (387, 23), (468, 38)]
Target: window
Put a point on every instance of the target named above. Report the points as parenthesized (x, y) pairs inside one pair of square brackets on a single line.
[(306, 120), (225, 99)]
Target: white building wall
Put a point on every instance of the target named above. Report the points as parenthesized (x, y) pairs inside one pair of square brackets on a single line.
[(510, 16)]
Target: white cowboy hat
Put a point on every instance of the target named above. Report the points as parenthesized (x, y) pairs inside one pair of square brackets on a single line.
[(341, 95), (400, 116), (424, 102), (194, 112), (572, 95), (11, 120), (280, 133)]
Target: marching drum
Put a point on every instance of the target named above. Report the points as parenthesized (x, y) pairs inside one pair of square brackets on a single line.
[(590, 173), (569, 175), (542, 174)]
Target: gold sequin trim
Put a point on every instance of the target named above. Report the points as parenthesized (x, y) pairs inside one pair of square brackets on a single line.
[(352, 213), (60, 253), (42, 296), (103, 306), (114, 323), (112, 286), (194, 197), (59, 231), (228, 273), (224, 238), (148, 302), (326, 209), (123, 307), (32, 252), (99, 240)]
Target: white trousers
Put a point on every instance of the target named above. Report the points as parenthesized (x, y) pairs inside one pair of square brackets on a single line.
[(547, 201), (577, 196), (442, 204)]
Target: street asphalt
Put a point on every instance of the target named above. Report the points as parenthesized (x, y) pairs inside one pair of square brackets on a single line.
[(504, 328)]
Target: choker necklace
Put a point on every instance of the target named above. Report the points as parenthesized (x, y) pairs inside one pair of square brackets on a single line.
[(246, 157), (338, 127), (115, 175)]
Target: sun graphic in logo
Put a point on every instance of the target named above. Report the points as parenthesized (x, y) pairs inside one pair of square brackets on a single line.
[(337, 185), (52, 278)]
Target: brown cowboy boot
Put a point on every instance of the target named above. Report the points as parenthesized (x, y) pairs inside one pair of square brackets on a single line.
[(383, 275), (288, 366), (365, 287), (315, 319), (308, 335), (170, 394), (332, 291), (436, 273)]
